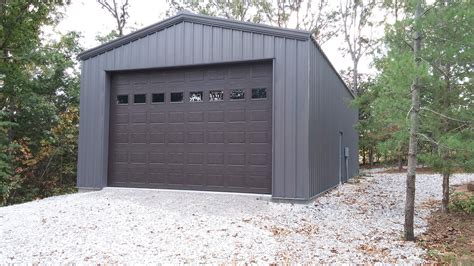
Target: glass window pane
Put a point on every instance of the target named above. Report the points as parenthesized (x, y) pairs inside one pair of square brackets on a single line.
[(259, 93), (217, 95), (237, 94), (122, 99), (195, 96), (139, 98), (158, 97), (176, 97)]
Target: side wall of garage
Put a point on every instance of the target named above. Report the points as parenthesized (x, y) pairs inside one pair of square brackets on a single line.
[(330, 114), (187, 43)]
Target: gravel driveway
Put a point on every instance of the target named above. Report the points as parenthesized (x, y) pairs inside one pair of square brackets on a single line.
[(359, 222)]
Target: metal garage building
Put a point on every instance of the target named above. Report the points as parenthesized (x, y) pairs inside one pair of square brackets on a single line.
[(204, 103)]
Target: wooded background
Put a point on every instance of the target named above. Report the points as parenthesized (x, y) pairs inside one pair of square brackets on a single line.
[(39, 80)]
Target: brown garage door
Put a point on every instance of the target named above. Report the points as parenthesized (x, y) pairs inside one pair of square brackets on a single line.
[(205, 128)]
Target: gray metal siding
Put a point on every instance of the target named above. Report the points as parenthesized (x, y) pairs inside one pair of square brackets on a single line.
[(329, 113), (188, 43)]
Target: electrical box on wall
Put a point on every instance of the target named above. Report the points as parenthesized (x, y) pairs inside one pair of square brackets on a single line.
[(346, 152)]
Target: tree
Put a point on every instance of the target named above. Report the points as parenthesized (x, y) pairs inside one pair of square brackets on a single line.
[(414, 124), (39, 83), (243, 10), (357, 28), (440, 99), (314, 16), (19, 39), (448, 113), (119, 12)]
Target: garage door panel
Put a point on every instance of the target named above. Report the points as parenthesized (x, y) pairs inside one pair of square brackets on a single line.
[(207, 141), (196, 158), (157, 117), (156, 138), (175, 138), (215, 180), (215, 116), (235, 137), (258, 181), (158, 178), (120, 119), (235, 180), (215, 137), (138, 138), (196, 137), (215, 158)]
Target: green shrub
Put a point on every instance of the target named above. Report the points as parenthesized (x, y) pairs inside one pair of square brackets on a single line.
[(462, 201)]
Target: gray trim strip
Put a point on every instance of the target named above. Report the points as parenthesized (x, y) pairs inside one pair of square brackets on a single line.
[(200, 19)]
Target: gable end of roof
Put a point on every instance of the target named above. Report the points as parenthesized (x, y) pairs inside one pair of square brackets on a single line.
[(199, 19)]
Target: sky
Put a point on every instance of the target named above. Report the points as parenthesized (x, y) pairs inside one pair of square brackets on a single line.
[(88, 18)]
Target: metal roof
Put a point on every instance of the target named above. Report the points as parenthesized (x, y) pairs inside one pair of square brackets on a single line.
[(200, 19)]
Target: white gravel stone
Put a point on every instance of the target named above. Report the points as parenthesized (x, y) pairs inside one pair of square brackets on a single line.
[(354, 223)]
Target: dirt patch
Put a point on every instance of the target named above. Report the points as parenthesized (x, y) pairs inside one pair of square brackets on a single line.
[(449, 238)]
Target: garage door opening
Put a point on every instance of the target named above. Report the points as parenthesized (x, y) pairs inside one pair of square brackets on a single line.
[(200, 128)]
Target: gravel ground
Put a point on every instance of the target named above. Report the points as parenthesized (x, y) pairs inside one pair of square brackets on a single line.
[(360, 222)]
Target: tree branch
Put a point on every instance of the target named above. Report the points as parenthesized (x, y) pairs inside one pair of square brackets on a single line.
[(447, 117)]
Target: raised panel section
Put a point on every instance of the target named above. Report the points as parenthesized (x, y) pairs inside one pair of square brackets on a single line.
[(176, 117), (236, 137), (195, 116), (215, 116), (236, 116), (157, 118), (215, 137)]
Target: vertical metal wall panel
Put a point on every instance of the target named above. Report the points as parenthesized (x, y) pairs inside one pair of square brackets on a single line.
[(216, 44), (82, 142), (207, 44), (257, 46), (135, 53), (161, 48), (179, 44), (247, 45), (329, 114), (103, 113), (290, 117), (302, 125), (278, 119), (189, 43), (236, 45), (170, 46), (197, 44), (226, 45), (269, 46), (151, 54)]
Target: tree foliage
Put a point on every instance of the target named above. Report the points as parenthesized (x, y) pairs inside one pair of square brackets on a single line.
[(446, 135), (314, 16), (39, 92)]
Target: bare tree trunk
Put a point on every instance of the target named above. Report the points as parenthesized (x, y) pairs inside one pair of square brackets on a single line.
[(445, 201), (412, 147), (446, 126), (355, 78), (400, 161), (364, 159), (371, 156)]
